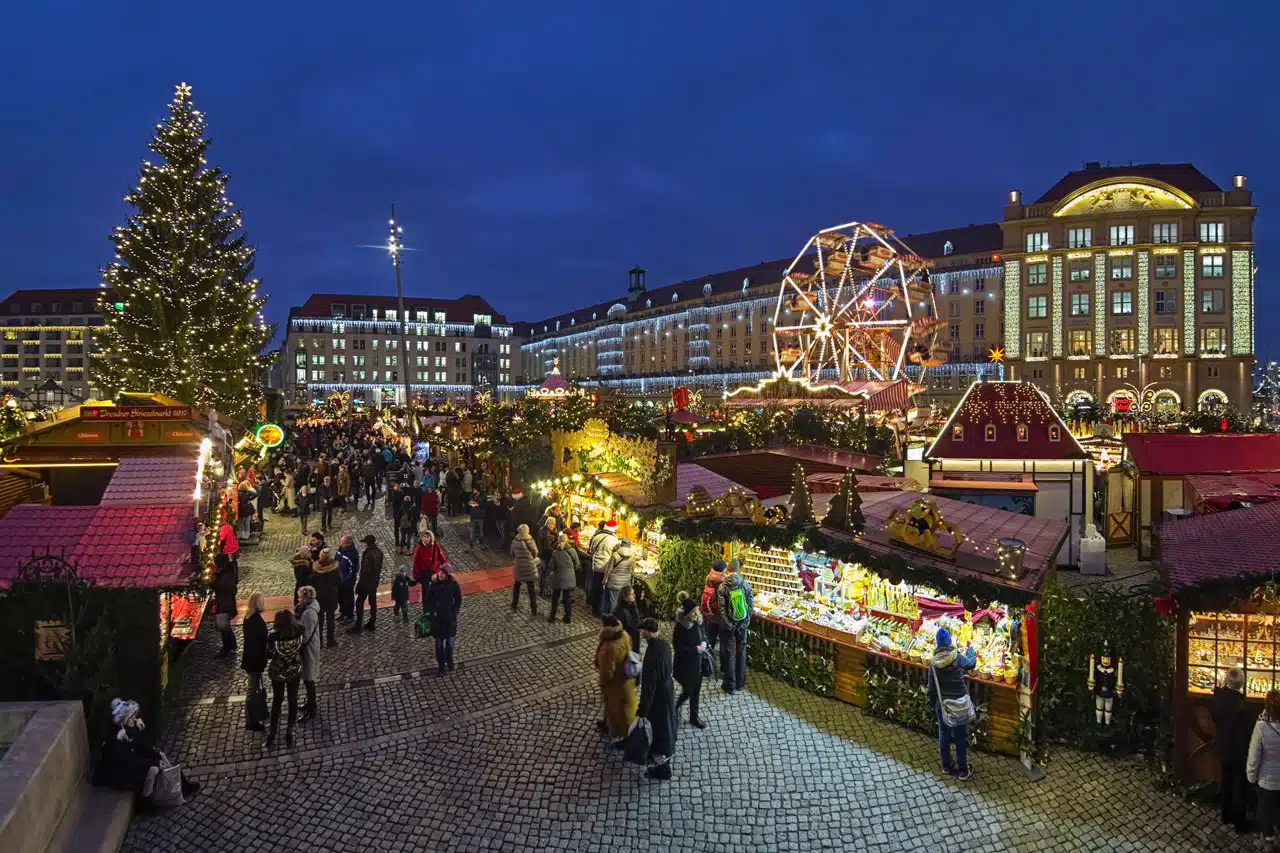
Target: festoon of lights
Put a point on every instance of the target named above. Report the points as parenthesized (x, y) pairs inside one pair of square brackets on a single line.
[(588, 487), (189, 321)]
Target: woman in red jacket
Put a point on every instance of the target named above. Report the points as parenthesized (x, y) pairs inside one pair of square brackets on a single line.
[(430, 506), (428, 558)]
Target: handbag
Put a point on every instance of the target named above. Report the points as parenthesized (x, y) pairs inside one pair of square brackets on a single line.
[(955, 712), (422, 626), (708, 664), (635, 749), (632, 666), (167, 791), (255, 707)]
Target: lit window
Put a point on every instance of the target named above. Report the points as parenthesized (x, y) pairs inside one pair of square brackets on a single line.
[(1166, 301), (1122, 302), (1080, 304), (1037, 344), (1038, 241), (1037, 273), (1122, 341), (1121, 269), (1079, 238), (1038, 307), (1077, 373), (1166, 266), (1081, 342), (1122, 235), (1080, 269), (1211, 266), (990, 432), (1212, 232), (1213, 340), (1023, 433), (1211, 302), (1166, 341), (1164, 232)]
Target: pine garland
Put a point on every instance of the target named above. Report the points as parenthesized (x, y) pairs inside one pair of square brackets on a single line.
[(182, 309)]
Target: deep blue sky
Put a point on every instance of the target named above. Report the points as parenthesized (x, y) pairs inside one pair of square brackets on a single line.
[(537, 151)]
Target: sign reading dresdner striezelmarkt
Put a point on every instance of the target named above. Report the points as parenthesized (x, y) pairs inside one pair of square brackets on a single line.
[(136, 413)]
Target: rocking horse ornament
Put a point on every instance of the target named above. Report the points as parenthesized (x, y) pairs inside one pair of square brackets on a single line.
[(918, 526)]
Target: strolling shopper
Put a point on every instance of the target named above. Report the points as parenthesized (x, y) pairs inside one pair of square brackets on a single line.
[(1231, 732), (428, 557), (224, 604), (734, 600), (524, 568), (600, 550), (400, 592), (711, 602), (658, 699), (689, 647), (253, 660), (628, 613), (617, 689), (1263, 767), (547, 539), (304, 506), (947, 672), (617, 575), (348, 572), (367, 585), (442, 598), (476, 510), (430, 505), (564, 576), (310, 624), (407, 522), (324, 577), (285, 651)]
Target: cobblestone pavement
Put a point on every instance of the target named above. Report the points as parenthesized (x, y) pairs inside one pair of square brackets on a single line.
[(504, 755)]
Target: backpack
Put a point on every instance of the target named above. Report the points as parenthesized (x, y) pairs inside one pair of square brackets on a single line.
[(286, 663), (738, 604), (710, 602)]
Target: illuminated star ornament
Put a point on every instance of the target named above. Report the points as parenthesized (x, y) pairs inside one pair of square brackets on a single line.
[(995, 355), (183, 91)]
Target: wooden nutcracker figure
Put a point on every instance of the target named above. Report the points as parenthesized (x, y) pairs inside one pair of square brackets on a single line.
[(1106, 683)]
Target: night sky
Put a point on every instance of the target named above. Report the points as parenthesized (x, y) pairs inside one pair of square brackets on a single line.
[(537, 151)]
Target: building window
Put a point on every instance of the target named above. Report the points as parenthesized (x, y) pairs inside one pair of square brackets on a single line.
[(979, 307), (1037, 373), (1166, 301), (1079, 238), (1164, 232), (1122, 302), (980, 285), (1122, 269), (1080, 269), (1122, 235), (1037, 307), (1211, 266), (1166, 372), (955, 331), (1080, 304), (1038, 241), (953, 288), (989, 432), (979, 332), (1122, 372), (1213, 340), (1166, 266), (1037, 273), (1212, 232), (1023, 433), (1166, 340), (1037, 344), (1122, 341), (957, 433), (1077, 373), (1081, 341), (953, 309), (1212, 372)]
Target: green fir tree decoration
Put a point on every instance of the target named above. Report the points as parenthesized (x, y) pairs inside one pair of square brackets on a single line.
[(801, 502), (845, 511), (183, 313)]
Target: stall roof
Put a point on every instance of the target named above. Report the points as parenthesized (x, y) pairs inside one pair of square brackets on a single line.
[(987, 423), (1192, 550), (829, 483), (1217, 492), (119, 545), (690, 474), (1177, 453), (157, 480), (981, 525)]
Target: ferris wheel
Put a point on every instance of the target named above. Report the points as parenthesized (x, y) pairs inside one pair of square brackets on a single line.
[(864, 311)]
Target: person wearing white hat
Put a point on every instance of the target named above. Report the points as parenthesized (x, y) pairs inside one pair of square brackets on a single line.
[(130, 762), (599, 551)]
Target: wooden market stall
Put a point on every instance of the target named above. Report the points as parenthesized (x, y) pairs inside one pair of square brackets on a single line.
[(873, 602), (1228, 615)]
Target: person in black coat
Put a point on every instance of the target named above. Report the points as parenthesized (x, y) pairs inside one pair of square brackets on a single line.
[(1232, 728), (658, 699), (689, 644), (629, 615), (253, 659), (224, 604), (442, 599)]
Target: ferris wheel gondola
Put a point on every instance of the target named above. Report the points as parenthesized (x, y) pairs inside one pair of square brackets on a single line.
[(863, 312)]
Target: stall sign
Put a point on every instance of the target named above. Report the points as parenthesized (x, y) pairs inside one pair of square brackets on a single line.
[(271, 435), (180, 433), (53, 638), (387, 396), (136, 413), (88, 435)]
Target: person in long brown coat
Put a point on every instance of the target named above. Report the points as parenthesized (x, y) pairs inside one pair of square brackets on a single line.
[(616, 688)]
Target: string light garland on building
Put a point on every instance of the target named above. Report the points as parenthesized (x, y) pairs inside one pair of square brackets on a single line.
[(1100, 303), (1188, 302), (184, 317), (1013, 308), (1057, 306), (1144, 298), (1241, 302)]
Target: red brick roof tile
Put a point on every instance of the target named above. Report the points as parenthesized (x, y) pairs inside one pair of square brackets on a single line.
[(1192, 550), (158, 481), (1177, 453), (1004, 407)]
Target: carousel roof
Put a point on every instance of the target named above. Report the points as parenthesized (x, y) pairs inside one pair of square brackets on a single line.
[(555, 385)]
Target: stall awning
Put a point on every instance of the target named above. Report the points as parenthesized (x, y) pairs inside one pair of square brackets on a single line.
[(1175, 453), (1218, 492)]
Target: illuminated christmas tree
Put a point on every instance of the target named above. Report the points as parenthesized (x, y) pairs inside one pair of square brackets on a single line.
[(845, 510), (801, 502), (183, 313)]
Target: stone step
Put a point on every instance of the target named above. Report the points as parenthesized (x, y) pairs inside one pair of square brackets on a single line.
[(95, 822)]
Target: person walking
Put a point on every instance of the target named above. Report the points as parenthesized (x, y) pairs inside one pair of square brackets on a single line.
[(225, 581), (1231, 739), (309, 621), (428, 558), (253, 659), (400, 593), (369, 476), (711, 602), (407, 522), (628, 613), (1263, 768), (600, 549), (548, 537), (564, 576), (689, 647), (524, 568), (344, 486), (367, 585), (324, 578), (290, 494), (735, 601), (443, 599), (326, 497), (617, 575), (658, 699), (617, 689), (348, 571), (244, 508), (304, 506), (284, 667), (947, 671), (430, 505), (475, 513)]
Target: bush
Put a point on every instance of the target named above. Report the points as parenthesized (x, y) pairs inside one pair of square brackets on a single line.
[(684, 566)]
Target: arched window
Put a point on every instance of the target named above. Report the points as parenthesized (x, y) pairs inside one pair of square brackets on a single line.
[(1055, 432), (706, 289), (957, 432), (1022, 432), (989, 432)]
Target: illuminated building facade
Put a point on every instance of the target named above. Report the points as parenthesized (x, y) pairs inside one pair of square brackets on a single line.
[(48, 341), (1133, 287)]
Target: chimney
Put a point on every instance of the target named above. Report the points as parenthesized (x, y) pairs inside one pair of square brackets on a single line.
[(635, 284), (1239, 195), (1013, 207)]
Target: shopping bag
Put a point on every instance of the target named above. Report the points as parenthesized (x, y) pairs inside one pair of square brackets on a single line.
[(255, 707), (635, 748), (422, 627), (168, 787), (633, 665)]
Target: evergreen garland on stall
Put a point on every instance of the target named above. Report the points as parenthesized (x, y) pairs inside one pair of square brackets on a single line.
[(182, 309)]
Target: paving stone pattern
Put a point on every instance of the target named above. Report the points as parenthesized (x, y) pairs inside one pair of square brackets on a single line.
[(503, 755)]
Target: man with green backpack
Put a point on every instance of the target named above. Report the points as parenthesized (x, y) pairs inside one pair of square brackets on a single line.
[(736, 601)]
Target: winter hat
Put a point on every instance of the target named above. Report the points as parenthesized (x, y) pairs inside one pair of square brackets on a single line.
[(403, 570), (124, 712), (943, 638), (517, 494), (611, 524), (687, 604), (734, 565), (718, 566)]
